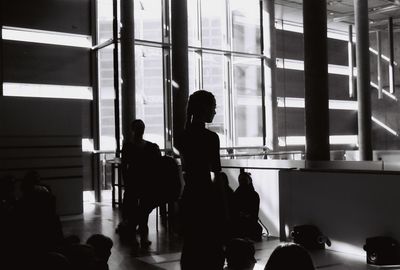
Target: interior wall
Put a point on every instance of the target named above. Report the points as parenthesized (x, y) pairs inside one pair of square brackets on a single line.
[(347, 207), (290, 84), (45, 134)]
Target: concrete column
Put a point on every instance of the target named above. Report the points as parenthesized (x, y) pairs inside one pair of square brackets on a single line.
[(316, 80), (269, 50), (180, 64), (127, 65), (363, 79)]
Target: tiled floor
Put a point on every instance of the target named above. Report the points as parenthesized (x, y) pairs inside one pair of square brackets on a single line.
[(164, 252)]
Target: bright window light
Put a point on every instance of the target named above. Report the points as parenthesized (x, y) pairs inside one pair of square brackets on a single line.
[(291, 102), (333, 104), (301, 140), (299, 65), (292, 140), (88, 197), (87, 145), (390, 130), (46, 37), (374, 85), (343, 105), (343, 139), (47, 91)]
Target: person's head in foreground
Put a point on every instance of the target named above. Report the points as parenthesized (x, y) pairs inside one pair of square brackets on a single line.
[(289, 256), (240, 254)]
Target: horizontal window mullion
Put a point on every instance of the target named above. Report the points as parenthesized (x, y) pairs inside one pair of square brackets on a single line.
[(221, 51), (156, 44)]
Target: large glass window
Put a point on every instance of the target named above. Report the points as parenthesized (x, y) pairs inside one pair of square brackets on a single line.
[(229, 57), (224, 58), (149, 92)]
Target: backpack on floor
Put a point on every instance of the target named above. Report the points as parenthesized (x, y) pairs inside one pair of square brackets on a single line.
[(310, 237)]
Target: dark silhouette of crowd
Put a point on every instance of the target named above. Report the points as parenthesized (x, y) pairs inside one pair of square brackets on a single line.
[(218, 223), (31, 232)]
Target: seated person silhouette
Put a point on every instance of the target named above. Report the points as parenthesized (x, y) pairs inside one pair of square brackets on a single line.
[(246, 204), (37, 224), (240, 254), (139, 157), (289, 256)]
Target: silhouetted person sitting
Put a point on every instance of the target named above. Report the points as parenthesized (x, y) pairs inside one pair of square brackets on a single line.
[(102, 249), (37, 224), (289, 256), (199, 149), (139, 157), (240, 254), (246, 204)]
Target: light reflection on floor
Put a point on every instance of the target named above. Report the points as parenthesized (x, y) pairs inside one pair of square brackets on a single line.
[(165, 249)]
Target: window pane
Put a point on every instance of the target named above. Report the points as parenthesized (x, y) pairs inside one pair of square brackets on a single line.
[(213, 24), (246, 25), (194, 71), (247, 102), (149, 92), (192, 22), (213, 81), (105, 20), (148, 20), (106, 99)]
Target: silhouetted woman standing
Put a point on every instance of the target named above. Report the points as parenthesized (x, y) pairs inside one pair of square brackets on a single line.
[(199, 148)]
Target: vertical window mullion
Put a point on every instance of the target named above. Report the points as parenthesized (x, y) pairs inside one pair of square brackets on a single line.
[(229, 77), (263, 72), (230, 110)]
